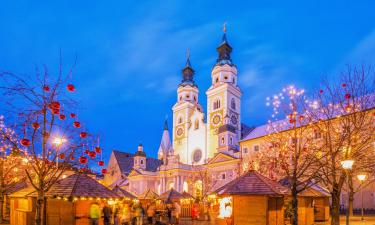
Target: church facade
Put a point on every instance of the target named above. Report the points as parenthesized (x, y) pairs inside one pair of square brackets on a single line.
[(203, 153)]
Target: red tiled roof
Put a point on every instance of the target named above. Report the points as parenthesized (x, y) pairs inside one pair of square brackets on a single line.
[(253, 183), (123, 193)]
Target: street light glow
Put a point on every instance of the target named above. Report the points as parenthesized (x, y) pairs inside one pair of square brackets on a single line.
[(361, 177), (347, 164), (58, 141)]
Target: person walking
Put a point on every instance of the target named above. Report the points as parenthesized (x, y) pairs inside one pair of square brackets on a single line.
[(116, 216), (107, 213), (138, 214), (94, 213)]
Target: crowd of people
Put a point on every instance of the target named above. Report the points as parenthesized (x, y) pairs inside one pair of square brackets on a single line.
[(135, 214)]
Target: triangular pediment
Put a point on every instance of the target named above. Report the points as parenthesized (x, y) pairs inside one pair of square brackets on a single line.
[(134, 173), (221, 157)]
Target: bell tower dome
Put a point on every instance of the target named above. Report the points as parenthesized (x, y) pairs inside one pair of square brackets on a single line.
[(223, 102)]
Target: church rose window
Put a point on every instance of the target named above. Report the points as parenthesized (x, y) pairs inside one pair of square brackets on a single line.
[(197, 155)]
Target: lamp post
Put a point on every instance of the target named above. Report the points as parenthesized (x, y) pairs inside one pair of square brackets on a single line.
[(362, 178), (347, 165)]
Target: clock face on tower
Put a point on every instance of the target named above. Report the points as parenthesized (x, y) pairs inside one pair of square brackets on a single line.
[(179, 132), (216, 119), (233, 119)]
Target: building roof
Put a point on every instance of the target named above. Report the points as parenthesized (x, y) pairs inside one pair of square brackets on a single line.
[(148, 195), (126, 162), (76, 185), (253, 183), (171, 195), (123, 193), (15, 186), (311, 190)]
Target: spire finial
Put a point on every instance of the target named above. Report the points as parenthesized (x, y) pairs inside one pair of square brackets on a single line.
[(166, 123), (225, 27), (188, 54)]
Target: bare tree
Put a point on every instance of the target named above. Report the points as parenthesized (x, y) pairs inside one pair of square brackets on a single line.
[(47, 126), (344, 114), (291, 148)]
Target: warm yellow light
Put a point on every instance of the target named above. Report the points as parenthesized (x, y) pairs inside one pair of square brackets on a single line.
[(111, 202), (58, 141), (63, 176), (361, 177), (347, 164)]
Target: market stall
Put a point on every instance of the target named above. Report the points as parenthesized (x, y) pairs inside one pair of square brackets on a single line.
[(68, 201)]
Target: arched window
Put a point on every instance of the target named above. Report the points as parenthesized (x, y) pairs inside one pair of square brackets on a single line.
[(196, 124), (216, 104), (216, 80), (231, 140), (180, 119), (195, 98), (222, 140), (233, 103), (141, 161)]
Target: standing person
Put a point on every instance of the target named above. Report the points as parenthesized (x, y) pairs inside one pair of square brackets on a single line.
[(177, 212), (169, 214), (107, 213), (94, 213), (116, 216), (138, 215)]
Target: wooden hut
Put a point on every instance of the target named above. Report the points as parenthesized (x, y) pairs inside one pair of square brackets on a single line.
[(68, 201), (171, 196), (313, 203), (148, 196), (252, 199)]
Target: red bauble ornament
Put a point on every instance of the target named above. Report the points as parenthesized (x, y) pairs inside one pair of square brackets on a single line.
[(104, 171), (35, 125), (55, 105), (72, 115), (46, 88), (77, 124), (87, 151), (83, 134), (347, 96), (101, 163), (62, 117), (62, 156), (92, 154), (83, 160), (343, 85), (72, 158), (98, 150), (321, 91), (70, 87), (25, 142), (55, 111)]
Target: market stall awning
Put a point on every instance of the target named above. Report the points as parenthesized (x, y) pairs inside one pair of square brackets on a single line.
[(253, 183), (148, 195), (123, 193), (170, 196)]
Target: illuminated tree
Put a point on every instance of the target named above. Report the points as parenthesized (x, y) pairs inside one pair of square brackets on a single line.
[(344, 114), (291, 149), (47, 126), (12, 163)]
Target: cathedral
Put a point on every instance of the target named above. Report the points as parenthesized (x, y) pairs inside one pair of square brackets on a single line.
[(204, 150)]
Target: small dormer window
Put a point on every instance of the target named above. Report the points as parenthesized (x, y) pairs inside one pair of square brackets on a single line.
[(141, 161), (222, 140), (223, 176), (187, 96)]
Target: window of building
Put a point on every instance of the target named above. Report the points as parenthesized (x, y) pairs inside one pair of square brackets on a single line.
[(216, 104), (222, 140), (217, 80), (196, 124), (223, 176), (233, 103), (187, 96), (195, 98), (317, 134), (245, 150), (141, 161), (225, 78), (256, 148), (180, 119), (231, 140), (234, 80)]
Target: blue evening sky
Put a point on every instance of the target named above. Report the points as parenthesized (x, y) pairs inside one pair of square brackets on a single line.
[(130, 53)]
